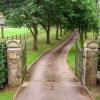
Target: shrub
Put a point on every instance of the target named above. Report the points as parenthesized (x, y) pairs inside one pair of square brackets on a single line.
[(3, 64)]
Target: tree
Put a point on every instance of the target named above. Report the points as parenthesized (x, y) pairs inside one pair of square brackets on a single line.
[(5, 5), (72, 14), (82, 15), (46, 16), (59, 20), (25, 15)]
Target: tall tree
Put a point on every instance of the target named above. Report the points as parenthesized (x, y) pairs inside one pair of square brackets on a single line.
[(46, 16), (82, 15), (25, 14)]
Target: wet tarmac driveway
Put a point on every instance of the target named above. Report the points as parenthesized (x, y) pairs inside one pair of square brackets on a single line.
[(52, 79)]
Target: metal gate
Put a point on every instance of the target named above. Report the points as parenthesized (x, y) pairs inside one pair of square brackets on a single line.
[(79, 71), (24, 60)]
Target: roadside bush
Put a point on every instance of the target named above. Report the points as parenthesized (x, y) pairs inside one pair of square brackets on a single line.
[(3, 64)]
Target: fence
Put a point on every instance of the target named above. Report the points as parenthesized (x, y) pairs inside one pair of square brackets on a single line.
[(17, 37), (24, 60), (79, 62)]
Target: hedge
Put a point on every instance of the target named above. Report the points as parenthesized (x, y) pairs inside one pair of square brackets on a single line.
[(3, 64)]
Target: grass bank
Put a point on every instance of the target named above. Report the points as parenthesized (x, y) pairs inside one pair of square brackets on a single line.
[(71, 58), (98, 98), (6, 95)]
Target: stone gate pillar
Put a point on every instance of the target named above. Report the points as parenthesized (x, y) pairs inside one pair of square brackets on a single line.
[(14, 59), (90, 62)]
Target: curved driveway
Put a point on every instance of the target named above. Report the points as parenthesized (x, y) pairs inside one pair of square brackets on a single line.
[(52, 79)]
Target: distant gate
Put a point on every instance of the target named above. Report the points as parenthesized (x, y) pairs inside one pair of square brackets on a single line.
[(79, 71)]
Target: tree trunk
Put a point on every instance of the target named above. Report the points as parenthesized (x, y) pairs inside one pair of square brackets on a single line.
[(65, 31), (48, 36), (60, 31), (81, 39), (93, 34), (85, 35), (35, 46), (35, 36), (96, 36), (48, 30), (57, 32)]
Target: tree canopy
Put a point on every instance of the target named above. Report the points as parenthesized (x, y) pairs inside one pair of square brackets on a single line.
[(64, 14)]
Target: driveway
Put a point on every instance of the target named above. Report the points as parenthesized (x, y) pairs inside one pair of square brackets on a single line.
[(52, 79)]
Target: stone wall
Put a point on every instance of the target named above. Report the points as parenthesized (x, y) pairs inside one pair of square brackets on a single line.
[(90, 62)]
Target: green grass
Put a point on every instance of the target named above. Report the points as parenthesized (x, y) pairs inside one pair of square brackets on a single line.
[(71, 58), (90, 34), (14, 31), (98, 98), (6, 96), (17, 31)]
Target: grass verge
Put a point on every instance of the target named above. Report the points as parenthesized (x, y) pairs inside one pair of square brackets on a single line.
[(98, 98), (6, 96), (71, 58)]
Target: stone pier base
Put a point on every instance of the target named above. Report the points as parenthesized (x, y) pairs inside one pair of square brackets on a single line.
[(14, 57), (91, 62)]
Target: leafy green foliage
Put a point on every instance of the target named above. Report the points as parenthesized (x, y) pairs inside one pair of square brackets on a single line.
[(24, 15), (76, 13), (9, 4), (3, 64), (70, 14), (83, 14)]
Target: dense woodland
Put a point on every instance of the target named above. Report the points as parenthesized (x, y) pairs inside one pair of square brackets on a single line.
[(62, 14)]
